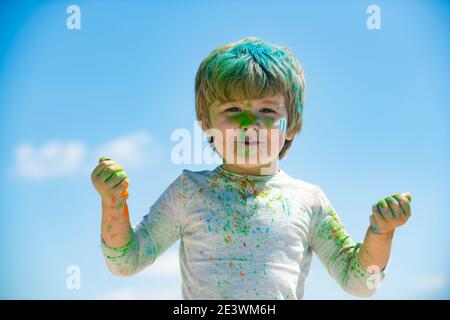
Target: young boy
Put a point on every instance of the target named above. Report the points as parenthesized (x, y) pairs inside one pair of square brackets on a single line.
[(247, 229)]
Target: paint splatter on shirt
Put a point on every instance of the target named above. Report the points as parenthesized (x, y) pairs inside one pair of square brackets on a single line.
[(243, 237)]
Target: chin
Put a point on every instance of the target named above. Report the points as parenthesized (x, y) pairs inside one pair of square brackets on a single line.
[(243, 160)]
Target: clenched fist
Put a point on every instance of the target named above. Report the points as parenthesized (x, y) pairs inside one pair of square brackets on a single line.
[(390, 213), (110, 181)]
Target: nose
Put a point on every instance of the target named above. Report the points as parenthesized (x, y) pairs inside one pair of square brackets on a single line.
[(248, 120), (249, 128)]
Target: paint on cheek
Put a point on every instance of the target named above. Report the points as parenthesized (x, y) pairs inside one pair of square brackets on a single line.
[(268, 122), (283, 125)]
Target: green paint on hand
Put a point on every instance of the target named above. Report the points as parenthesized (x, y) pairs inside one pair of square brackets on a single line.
[(407, 195), (103, 159)]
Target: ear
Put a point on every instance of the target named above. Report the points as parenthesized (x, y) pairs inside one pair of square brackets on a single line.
[(205, 124), (289, 135)]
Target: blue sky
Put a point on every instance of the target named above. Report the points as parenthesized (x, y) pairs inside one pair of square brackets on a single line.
[(375, 123)]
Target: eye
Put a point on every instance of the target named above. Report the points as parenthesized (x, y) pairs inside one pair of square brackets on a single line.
[(233, 109), (267, 110)]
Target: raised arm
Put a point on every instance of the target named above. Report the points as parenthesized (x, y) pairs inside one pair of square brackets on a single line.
[(129, 250), (111, 182)]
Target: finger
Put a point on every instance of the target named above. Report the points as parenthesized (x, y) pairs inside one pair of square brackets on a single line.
[(383, 207), (404, 204), (112, 172), (374, 224), (101, 167), (394, 206), (116, 177), (106, 169), (377, 212), (407, 195), (124, 182)]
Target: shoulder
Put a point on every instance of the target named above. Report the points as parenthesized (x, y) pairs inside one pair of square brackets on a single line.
[(196, 179), (185, 185), (306, 188), (197, 175), (310, 193)]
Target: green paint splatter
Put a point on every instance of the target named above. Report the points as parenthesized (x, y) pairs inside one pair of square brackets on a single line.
[(268, 122), (245, 118)]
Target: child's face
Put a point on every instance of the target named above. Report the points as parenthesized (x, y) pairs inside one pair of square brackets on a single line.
[(253, 131)]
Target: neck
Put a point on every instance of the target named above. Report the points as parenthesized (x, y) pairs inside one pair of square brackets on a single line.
[(258, 170)]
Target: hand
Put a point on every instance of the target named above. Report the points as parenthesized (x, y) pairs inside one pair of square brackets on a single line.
[(390, 213), (110, 180)]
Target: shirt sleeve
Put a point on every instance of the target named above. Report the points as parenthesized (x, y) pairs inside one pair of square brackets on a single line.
[(157, 231), (338, 252)]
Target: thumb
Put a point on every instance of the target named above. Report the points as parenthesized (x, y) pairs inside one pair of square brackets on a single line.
[(103, 159), (407, 195)]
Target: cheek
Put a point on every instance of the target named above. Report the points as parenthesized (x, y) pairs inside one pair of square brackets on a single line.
[(276, 141), (276, 123), (223, 123), (268, 122), (225, 126), (283, 125)]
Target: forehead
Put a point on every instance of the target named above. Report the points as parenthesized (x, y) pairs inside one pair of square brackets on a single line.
[(277, 100)]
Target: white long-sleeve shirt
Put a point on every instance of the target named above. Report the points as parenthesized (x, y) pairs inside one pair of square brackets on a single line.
[(243, 237)]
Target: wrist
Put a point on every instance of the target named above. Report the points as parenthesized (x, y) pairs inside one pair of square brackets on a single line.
[(116, 203), (107, 201), (376, 232)]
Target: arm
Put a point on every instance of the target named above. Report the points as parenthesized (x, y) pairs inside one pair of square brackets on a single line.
[(346, 261), (116, 228), (126, 250), (336, 250), (111, 182), (387, 215)]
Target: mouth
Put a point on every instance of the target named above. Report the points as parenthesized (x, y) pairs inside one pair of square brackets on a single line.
[(249, 140), (249, 143)]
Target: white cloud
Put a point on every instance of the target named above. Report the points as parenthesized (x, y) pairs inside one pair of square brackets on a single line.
[(166, 266), (159, 278), (431, 282), (131, 151), (65, 158), (51, 159)]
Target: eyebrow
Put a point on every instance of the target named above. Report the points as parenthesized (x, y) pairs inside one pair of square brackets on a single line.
[(264, 103), (268, 101)]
